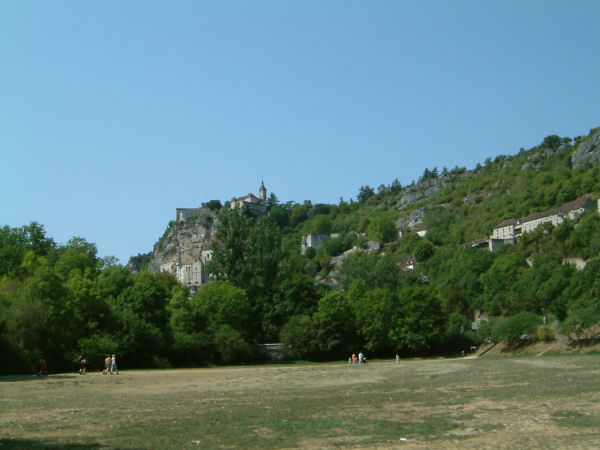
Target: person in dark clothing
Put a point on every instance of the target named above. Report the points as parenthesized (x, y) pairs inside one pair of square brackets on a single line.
[(43, 369)]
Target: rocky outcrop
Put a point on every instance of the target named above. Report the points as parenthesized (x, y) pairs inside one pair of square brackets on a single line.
[(588, 151), (537, 160), (426, 188), (183, 241), (414, 219), (421, 190)]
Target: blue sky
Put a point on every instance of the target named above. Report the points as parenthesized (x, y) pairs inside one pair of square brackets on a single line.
[(114, 113)]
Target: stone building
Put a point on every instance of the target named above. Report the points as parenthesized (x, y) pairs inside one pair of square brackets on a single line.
[(315, 240), (191, 272), (256, 205), (184, 213), (506, 231), (514, 228)]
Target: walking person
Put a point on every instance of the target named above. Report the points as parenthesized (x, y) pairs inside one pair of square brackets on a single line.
[(113, 365), (106, 365), (82, 365), (43, 370)]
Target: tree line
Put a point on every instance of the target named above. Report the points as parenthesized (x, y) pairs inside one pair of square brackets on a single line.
[(59, 301)]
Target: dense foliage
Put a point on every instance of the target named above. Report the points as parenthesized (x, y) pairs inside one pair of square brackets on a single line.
[(415, 295)]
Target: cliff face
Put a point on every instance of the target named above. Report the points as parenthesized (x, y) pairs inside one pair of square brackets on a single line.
[(183, 241), (587, 152)]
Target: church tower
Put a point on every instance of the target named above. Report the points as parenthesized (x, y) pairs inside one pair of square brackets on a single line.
[(262, 193)]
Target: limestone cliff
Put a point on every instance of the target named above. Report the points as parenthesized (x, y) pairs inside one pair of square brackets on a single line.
[(182, 242), (588, 151)]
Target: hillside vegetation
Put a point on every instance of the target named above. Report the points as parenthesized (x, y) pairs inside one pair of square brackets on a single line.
[(415, 295)]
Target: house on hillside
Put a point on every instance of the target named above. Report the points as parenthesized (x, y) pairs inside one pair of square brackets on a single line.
[(506, 231), (422, 232), (477, 243), (407, 262), (190, 272), (514, 228), (315, 240)]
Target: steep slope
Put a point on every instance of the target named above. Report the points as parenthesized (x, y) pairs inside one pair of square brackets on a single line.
[(183, 241)]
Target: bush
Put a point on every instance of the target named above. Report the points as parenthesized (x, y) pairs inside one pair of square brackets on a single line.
[(516, 328), (298, 335), (544, 333), (232, 347), (583, 323)]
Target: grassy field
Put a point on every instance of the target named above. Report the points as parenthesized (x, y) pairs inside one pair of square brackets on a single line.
[(517, 402)]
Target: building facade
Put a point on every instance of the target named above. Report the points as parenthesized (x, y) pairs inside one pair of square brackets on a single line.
[(256, 205)]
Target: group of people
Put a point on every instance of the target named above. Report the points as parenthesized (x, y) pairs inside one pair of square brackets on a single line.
[(110, 365), (357, 361)]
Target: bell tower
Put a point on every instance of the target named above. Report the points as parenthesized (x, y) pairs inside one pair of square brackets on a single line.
[(262, 193)]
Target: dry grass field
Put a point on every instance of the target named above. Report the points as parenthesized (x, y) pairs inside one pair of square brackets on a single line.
[(509, 402)]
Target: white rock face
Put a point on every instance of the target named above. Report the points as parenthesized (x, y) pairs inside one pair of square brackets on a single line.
[(587, 151), (185, 243)]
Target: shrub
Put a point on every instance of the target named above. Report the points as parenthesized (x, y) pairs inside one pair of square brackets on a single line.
[(298, 335), (544, 333), (231, 346), (516, 328), (583, 323)]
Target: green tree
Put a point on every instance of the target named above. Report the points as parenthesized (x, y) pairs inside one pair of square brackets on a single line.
[(272, 201), (423, 250), (583, 323), (231, 346), (221, 303), (334, 323), (382, 229), (141, 320), (214, 205), (503, 273), (365, 193), (77, 255), (514, 328), (228, 261), (373, 310), (298, 336), (417, 326), (553, 141)]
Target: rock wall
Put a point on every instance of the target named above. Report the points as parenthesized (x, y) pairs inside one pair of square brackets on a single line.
[(420, 191), (587, 151), (183, 241)]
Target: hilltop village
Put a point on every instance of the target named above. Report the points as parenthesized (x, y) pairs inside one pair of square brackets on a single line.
[(188, 262), (186, 259)]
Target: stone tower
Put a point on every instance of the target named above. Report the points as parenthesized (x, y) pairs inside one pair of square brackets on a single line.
[(262, 193)]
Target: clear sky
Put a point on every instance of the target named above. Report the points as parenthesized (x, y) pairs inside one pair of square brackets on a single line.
[(114, 113)]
